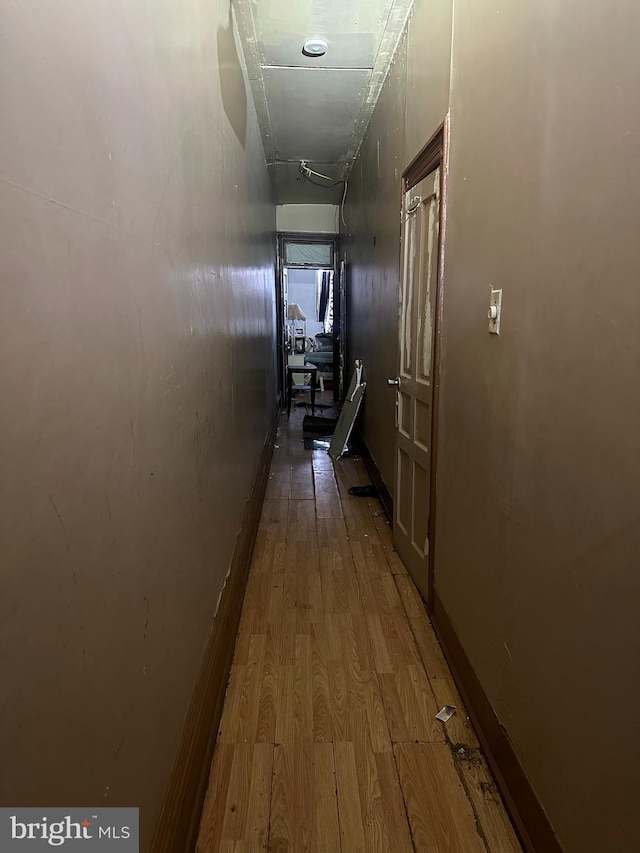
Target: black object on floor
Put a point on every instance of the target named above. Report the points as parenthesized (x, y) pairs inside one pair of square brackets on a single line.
[(317, 424), (364, 491)]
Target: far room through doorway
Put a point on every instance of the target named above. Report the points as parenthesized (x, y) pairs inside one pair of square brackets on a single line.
[(309, 310)]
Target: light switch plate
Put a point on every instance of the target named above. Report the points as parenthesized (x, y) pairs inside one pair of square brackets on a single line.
[(495, 311)]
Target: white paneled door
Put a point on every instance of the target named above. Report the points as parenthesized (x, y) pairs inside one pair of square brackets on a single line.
[(414, 389)]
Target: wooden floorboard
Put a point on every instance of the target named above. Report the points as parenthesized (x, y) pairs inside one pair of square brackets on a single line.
[(440, 814), (328, 739)]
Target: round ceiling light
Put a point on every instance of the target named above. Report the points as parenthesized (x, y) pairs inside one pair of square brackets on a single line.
[(314, 47)]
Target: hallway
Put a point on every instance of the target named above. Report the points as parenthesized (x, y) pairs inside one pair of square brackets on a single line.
[(438, 196), (328, 739)]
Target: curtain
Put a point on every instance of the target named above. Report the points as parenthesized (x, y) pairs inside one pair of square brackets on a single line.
[(324, 297)]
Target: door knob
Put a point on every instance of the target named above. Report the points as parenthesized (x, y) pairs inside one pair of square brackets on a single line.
[(393, 383)]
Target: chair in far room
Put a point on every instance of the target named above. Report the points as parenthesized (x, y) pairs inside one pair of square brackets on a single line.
[(322, 357)]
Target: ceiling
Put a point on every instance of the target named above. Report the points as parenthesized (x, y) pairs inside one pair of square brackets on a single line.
[(316, 109)]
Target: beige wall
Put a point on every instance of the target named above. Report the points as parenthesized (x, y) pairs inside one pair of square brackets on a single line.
[(538, 539), (413, 102), (309, 218), (136, 339)]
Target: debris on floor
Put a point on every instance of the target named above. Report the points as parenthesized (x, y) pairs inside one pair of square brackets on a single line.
[(446, 713), (306, 404), (317, 442)]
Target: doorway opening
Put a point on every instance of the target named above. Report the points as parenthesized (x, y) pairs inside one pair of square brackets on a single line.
[(310, 311)]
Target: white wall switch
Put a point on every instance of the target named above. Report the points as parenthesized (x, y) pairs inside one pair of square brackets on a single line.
[(495, 311)]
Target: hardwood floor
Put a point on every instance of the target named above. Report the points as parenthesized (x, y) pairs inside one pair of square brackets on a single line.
[(328, 739)]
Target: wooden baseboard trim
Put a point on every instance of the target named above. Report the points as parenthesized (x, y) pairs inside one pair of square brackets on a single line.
[(376, 478), (177, 827), (529, 818)]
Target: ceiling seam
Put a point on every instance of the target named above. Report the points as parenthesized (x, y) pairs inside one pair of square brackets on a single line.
[(380, 72), (318, 68), (245, 23), (285, 160)]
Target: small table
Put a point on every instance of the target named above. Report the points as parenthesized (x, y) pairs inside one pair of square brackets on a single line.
[(302, 368)]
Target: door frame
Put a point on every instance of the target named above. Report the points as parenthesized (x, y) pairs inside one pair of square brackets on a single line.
[(434, 154), (304, 237), (340, 339)]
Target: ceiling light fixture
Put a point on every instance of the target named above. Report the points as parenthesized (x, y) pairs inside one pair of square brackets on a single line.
[(314, 47)]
